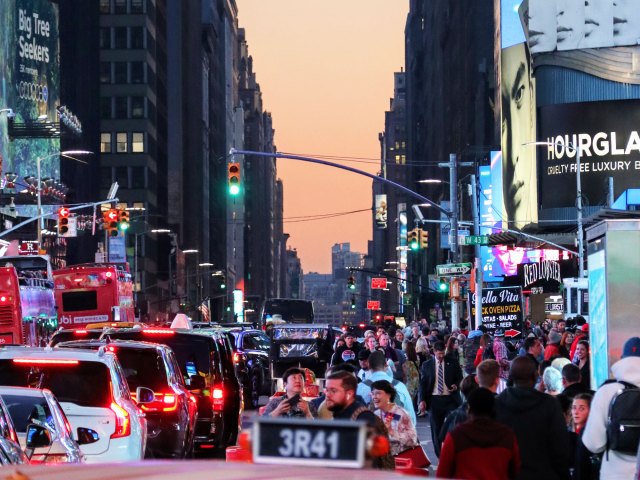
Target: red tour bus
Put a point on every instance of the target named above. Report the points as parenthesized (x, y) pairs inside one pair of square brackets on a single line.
[(27, 307), (92, 293)]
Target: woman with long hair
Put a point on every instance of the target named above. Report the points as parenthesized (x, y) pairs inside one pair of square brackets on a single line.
[(582, 360)]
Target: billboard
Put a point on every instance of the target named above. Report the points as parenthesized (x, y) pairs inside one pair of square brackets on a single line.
[(575, 24), (609, 139), (501, 308), (519, 182), (30, 72), (381, 211)]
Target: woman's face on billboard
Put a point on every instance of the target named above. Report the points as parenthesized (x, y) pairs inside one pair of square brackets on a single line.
[(570, 26), (598, 24), (542, 26)]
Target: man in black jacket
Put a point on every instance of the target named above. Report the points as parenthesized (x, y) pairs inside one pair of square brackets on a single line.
[(571, 381), (538, 422), (439, 380)]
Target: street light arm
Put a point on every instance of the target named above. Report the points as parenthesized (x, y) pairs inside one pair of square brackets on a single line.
[(376, 178)]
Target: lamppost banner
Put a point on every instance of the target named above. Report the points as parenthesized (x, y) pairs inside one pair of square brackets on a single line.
[(608, 135)]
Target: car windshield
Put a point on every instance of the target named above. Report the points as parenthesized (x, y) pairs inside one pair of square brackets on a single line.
[(143, 368), (192, 351), (25, 409), (86, 384)]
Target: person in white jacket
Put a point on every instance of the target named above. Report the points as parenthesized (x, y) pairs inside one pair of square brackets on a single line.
[(627, 369)]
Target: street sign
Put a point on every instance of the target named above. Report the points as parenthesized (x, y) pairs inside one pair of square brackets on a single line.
[(379, 282), (453, 269), (336, 443), (373, 305), (475, 240), (29, 247)]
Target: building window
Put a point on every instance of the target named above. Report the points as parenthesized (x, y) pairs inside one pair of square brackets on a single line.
[(105, 72), (120, 6), (137, 37), (138, 177), (122, 145), (137, 107), (121, 107), (105, 6), (137, 72), (105, 108), (120, 36), (137, 6), (120, 72), (105, 38), (122, 177), (105, 142), (137, 142)]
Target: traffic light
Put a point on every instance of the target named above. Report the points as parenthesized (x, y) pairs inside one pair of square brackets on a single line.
[(443, 286), (353, 301), (233, 172), (413, 239), (110, 222), (123, 219), (351, 283), (63, 221), (424, 239)]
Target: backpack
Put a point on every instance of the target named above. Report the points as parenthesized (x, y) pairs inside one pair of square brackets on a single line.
[(398, 401), (386, 462), (623, 420)]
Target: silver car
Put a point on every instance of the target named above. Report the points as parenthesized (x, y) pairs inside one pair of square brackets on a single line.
[(40, 407)]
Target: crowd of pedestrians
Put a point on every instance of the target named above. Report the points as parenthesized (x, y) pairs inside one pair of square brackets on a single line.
[(497, 407)]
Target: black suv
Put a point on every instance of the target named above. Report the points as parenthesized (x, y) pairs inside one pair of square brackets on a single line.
[(251, 357), (204, 362), (171, 415)]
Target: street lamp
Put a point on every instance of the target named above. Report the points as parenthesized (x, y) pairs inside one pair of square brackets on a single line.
[(66, 154), (578, 152)]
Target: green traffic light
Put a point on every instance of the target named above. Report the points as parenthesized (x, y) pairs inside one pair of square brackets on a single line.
[(352, 287), (443, 287), (223, 286), (234, 189), (124, 226), (414, 246)]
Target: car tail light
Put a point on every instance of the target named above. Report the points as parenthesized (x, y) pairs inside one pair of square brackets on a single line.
[(158, 331), (123, 423), (164, 402), (5, 299), (44, 361), (80, 332), (217, 399), (239, 357)]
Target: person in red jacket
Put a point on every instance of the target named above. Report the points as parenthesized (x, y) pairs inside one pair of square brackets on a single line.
[(481, 448), (553, 345)]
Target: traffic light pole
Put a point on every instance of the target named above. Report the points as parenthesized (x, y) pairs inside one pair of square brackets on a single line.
[(44, 215), (478, 266), (376, 178)]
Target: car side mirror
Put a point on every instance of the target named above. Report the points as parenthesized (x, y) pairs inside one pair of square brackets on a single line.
[(196, 382), (144, 395), (38, 436), (87, 436)]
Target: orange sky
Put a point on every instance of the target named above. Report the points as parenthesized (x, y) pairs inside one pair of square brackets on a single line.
[(325, 69)]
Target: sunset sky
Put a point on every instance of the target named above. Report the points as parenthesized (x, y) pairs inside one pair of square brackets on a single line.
[(325, 69)]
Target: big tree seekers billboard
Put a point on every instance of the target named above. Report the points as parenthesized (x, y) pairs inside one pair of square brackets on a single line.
[(608, 136), (501, 308)]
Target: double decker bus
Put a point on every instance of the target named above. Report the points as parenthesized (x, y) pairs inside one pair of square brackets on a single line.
[(27, 307), (92, 293)]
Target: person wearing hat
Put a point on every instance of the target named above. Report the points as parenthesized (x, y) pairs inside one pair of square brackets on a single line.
[(363, 360), (553, 345), (500, 353), (615, 465)]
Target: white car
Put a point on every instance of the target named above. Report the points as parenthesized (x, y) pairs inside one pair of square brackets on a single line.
[(94, 395), (33, 405)]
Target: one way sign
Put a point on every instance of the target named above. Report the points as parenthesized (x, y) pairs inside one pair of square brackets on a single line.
[(453, 269)]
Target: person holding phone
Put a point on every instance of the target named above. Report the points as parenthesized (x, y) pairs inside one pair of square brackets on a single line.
[(291, 404)]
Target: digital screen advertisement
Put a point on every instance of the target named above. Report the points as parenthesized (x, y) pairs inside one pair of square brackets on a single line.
[(30, 85), (608, 136)]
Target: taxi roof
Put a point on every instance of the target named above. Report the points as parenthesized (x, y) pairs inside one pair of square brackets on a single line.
[(35, 353)]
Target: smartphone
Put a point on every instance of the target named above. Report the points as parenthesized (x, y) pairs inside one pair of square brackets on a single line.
[(293, 401)]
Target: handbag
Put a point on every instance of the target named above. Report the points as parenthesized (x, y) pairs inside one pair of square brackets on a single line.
[(413, 458)]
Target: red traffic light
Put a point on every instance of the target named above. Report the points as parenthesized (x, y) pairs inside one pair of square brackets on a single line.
[(112, 215), (63, 212)]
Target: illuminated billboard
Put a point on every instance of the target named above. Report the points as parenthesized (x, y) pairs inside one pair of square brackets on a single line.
[(519, 181), (608, 134), (30, 72), (576, 24)]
